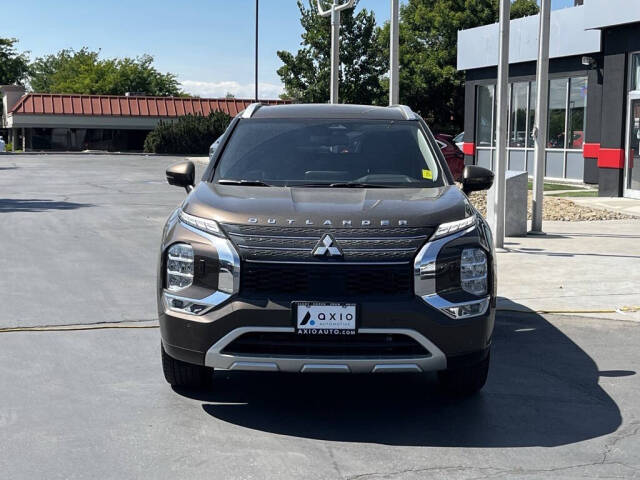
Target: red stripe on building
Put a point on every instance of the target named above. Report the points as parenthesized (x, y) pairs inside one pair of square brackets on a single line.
[(469, 148), (590, 150), (611, 158)]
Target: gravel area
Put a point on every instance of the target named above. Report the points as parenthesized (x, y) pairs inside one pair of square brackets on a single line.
[(556, 208)]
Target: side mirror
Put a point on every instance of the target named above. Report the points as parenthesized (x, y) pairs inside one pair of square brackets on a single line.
[(476, 178), (182, 174)]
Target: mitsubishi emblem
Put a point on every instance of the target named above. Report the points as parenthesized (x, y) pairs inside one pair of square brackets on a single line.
[(327, 247)]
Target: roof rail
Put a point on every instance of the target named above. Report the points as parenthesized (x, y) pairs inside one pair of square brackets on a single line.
[(406, 111), (251, 109)]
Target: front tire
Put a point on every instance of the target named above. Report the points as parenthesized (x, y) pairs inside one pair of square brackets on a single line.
[(183, 374), (466, 381)]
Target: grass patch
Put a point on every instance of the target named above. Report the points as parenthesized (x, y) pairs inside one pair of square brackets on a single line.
[(548, 187), (583, 193)]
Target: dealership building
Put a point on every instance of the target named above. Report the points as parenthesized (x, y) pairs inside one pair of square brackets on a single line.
[(38, 121), (594, 95)]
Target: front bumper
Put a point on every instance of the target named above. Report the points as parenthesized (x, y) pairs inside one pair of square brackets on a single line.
[(216, 357), (202, 339)]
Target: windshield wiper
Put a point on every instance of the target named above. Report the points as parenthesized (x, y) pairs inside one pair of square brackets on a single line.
[(356, 185), (341, 185), (248, 183)]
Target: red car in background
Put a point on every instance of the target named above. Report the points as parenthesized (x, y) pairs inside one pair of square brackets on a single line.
[(453, 155)]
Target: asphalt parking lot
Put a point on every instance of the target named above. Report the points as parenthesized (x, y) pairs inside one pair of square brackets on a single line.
[(79, 245)]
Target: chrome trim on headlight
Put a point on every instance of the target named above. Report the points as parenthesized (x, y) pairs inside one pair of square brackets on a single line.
[(424, 274), (228, 277), (424, 266), (229, 270)]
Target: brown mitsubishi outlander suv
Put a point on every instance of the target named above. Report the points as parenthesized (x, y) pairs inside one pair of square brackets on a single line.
[(327, 238)]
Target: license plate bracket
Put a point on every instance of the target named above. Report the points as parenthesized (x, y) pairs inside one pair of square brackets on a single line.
[(325, 318)]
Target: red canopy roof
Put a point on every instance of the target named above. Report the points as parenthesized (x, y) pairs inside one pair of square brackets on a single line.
[(101, 105)]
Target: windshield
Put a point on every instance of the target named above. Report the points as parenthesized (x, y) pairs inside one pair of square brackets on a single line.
[(320, 152)]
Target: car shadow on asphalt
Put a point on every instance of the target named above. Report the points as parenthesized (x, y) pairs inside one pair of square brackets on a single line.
[(37, 205), (542, 391)]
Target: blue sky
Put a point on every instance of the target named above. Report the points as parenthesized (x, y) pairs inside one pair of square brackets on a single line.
[(207, 43)]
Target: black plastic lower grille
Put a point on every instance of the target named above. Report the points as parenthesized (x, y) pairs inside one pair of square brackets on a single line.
[(314, 281), (371, 345)]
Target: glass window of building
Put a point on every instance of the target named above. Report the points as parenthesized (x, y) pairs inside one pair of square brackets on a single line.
[(484, 119), (635, 72), (518, 115), (577, 112), (557, 112), (532, 114)]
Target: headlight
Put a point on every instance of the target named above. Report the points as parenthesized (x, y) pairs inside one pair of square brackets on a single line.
[(179, 267), (473, 271), (218, 269), (206, 225), (453, 227)]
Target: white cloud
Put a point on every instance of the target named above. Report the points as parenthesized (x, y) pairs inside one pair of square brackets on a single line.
[(267, 91)]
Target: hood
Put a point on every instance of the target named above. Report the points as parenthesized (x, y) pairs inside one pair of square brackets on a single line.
[(336, 207)]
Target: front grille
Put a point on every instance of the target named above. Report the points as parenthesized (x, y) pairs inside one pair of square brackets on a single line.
[(295, 244), (370, 345), (318, 281)]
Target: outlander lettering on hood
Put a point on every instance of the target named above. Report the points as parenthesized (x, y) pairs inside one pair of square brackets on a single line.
[(329, 223), (327, 238)]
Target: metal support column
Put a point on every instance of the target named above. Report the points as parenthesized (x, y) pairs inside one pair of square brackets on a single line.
[(542, 105), (394, 55), (334, 13), (335, 53), (256, 80), (502, 90)]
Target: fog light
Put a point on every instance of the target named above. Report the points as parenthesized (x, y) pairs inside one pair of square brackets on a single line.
[(473, 271), (465, 310), (185, 305), (179, 267)]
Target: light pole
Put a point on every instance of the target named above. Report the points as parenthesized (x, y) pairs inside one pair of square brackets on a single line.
[(498, 197), (334, 13), (256, 80), (394, 55), (542, 105)]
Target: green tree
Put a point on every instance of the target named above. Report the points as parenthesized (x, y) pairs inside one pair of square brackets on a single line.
[(429, 80), (523, 8), (83, 71), (306, 75), (188, 134), (14, 66)]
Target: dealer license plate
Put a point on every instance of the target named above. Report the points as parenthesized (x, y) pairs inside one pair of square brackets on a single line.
[(317, 318)]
